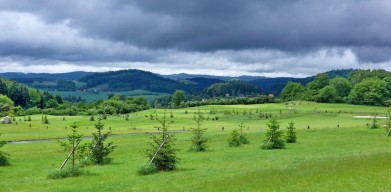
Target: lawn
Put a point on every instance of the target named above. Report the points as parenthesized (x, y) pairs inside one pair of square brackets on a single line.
[(337, 152)]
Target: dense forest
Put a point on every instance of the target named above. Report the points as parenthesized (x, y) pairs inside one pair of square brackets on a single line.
[(18, 99), (364, 87), (367, 87)]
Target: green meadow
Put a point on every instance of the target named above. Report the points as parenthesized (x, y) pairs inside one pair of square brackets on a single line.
[(91, 97), (334, 152)]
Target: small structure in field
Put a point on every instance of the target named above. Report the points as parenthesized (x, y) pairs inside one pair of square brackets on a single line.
[(6, 119)]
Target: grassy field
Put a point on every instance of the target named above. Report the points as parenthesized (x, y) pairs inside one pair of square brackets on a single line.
[(337, 153), (90, 97)]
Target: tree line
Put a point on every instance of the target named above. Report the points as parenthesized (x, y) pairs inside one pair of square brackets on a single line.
[(364, 87)]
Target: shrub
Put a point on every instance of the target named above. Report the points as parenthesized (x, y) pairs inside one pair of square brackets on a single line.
[(147, 169), (4, 157), (67, 172)]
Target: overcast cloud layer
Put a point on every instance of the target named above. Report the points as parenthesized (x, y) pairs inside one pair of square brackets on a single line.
[(217, 37)]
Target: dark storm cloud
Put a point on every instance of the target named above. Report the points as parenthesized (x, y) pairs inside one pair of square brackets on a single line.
[(142, 30), (205, 25)]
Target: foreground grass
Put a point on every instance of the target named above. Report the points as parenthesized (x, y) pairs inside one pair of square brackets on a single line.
[(326, 158)]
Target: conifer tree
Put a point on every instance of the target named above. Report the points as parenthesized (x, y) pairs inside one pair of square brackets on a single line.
[(199, 140), (162, 152), (291, 134), (99, 151), (274, 136)]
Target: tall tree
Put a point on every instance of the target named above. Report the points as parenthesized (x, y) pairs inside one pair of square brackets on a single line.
[(178, 97), (370, 92), (3, 87), (341, 85), (321, 80), (292, 91), (327, 94)]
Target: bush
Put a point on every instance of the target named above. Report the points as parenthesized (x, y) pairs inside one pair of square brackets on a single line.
[(4, 157), (4, 161), (67, 172), (147, 169)]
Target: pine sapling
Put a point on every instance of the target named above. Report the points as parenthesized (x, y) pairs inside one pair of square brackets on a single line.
[(291, 134), (198, 140), (99, 151)]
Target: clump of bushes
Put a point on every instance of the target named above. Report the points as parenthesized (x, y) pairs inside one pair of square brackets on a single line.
[(4, 157), (147, 169), (66, 172)]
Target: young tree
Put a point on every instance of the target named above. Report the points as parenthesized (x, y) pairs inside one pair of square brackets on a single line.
[(388, 124), (375, 121), (198, 140), (242, 136), (4, 157), (162, 152), (291, 134), (234, 140), (274, 136), (99, 152), (72, 146)]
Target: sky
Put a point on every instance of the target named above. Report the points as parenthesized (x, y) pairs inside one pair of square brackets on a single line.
[(272, 38)]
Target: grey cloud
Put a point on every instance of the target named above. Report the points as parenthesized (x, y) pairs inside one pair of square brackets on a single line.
[(147, 30), (226, 24)]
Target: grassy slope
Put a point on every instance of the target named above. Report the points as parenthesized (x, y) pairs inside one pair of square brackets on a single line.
[(90, 97), (326, 158)]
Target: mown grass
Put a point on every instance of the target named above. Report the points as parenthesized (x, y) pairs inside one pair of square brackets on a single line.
[(326, 158), (91, 97)]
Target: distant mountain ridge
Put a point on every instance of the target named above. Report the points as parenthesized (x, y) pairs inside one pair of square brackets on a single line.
[(132, 79), (181, 76), (46, 76)]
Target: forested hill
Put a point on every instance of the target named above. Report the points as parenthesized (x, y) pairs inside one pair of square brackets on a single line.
[(127, 80), (124, 80), (182, 76), (275, 85), (45, 76)]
